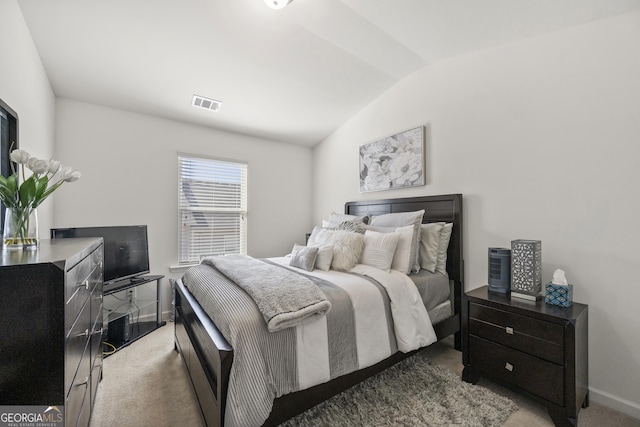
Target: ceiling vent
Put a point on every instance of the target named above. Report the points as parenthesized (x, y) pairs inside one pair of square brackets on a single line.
[(206, 103)]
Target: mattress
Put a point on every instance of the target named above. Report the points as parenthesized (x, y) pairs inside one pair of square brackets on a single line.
[(433, 288)]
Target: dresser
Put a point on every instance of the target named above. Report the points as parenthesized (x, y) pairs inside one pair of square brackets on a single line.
[(537, 349), (51, 323)]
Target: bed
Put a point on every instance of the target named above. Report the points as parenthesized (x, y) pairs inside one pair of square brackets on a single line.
[(209, 357)]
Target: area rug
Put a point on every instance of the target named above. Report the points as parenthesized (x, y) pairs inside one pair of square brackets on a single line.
[(413, 392)]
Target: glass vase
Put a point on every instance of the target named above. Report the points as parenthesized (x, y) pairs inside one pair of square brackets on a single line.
[(20, 229)]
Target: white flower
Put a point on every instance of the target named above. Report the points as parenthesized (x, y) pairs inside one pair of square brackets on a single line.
[(75, 175), (17, 190), (37, 166), (54, 166), (70, 175), (20, 157)]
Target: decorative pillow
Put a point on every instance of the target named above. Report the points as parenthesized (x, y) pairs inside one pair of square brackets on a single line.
[(379, 249), (324, 258), (347, 247), (327, 224), (337, 218), (353, 226), (445, 236), (401, 219), (303, 257), (402, 256), (429, 245)]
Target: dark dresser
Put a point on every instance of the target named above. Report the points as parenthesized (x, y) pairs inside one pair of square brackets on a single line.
[(537, 349), (51, 327)]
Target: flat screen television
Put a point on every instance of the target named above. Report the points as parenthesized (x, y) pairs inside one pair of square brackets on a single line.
[(126, 249)]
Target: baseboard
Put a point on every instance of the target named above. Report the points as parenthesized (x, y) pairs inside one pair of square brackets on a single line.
[(167, 316), (614, 402)]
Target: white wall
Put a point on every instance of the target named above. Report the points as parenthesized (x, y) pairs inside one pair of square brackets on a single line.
[(130, 176), (24, 86), (542, 139)]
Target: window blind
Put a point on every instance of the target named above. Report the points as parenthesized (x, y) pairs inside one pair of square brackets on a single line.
[(212, 204)]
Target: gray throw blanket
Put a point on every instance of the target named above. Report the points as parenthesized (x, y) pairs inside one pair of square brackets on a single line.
[(284, 297)]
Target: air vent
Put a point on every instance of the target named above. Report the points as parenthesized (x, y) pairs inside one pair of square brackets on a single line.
[(206, 103)]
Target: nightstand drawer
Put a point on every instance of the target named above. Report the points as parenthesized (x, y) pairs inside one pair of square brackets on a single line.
[(536, 337), (542, 378)]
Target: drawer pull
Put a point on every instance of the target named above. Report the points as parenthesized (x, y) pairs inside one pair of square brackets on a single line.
[(83, 334), (85, 284), (509, 330), (85, 382), (509, 367)]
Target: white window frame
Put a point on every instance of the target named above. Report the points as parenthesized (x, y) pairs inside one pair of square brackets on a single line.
[(212, 207)]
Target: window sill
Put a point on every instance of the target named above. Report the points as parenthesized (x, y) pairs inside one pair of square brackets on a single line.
[(180, 268)]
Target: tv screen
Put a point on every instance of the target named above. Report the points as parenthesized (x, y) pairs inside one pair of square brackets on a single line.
[(126, 252)]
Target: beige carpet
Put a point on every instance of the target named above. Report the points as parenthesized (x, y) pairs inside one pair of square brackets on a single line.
[(146, 384)]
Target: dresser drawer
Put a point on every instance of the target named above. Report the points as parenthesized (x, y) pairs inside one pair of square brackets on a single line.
[(540, 377), (76, 345), (80, 281), (533, 336), (75, 404)]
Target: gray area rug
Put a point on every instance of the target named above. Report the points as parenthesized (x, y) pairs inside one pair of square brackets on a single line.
[(414, 392)]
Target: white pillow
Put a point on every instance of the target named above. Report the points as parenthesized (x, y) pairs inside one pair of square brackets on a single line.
[(347, 249), (429, 244), (379, 249), (318, 235), (402, 257), (327, 224), (445, 236), (401, 219), (324, 258)]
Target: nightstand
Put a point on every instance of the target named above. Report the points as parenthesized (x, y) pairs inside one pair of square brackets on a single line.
[(534, 348)]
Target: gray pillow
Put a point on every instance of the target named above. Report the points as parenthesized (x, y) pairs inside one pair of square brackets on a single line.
[(303, 257)]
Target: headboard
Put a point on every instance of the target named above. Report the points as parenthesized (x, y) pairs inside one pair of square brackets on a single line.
[(445, 208)]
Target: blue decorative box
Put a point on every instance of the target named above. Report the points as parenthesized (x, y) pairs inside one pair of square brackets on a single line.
[(561, 295)]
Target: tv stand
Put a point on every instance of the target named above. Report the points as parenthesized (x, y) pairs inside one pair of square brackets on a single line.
[(132, 309)]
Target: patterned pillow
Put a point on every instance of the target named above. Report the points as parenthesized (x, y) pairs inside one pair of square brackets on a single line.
[(353, 226), (337, 218)]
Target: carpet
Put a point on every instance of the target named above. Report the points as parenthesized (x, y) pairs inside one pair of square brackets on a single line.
[(413, 392)]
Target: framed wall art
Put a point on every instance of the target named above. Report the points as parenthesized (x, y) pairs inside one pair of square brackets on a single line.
[(393, 162)]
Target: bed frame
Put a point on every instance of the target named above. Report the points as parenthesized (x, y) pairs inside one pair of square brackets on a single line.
[(208, 356)]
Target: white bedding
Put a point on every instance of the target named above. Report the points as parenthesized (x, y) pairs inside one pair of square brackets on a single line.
[(253, 387), (412, 326)]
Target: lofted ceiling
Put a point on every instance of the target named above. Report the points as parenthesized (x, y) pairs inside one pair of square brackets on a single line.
[(292, 75)]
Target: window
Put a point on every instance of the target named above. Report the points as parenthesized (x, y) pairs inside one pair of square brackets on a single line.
[(212, 208)]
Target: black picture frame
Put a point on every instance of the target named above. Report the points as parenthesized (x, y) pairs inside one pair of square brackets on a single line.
[(8, 143)]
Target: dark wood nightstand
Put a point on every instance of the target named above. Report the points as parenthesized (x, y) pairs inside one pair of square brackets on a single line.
[(537, 349)]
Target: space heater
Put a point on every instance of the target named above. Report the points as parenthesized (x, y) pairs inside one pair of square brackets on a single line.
[(499, 270)]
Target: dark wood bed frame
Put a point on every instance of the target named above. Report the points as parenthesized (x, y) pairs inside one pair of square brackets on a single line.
[(208, 356)]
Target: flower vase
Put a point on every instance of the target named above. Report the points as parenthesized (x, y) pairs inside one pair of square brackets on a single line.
[(20, 229)]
